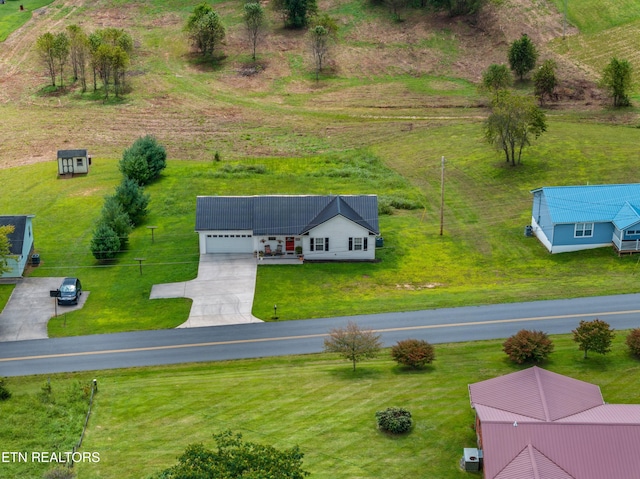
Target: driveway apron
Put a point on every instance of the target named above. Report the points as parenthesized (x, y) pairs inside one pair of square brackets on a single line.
[(222, 293), (30, 307)]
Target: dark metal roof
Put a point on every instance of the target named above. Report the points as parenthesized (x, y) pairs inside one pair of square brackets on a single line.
[(17, 237), (281, 215), (71, 153)]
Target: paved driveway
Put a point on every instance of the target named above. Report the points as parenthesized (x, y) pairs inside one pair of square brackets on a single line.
[(222, 293), (30, 307)]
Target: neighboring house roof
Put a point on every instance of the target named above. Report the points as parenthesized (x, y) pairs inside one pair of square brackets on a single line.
[(536, 424), (593, 203), (273, 215), (71, 153), (17, 237)]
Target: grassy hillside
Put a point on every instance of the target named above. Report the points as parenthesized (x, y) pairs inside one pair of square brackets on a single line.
[(398, 96)]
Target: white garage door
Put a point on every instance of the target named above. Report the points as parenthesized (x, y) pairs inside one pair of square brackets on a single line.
[(229, 243)]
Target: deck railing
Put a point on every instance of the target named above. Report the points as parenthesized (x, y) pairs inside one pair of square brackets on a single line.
[(632, 245)]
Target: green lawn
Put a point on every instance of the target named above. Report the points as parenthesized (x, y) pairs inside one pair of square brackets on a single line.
[(12, 18), (143, 418), (483, 256)]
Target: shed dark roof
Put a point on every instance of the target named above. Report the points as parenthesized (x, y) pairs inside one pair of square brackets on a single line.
[(71, 153), (281, 215), (17, 237)]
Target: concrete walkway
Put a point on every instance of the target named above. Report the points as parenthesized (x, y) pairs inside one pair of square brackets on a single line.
[(222, 293), (30, 307)]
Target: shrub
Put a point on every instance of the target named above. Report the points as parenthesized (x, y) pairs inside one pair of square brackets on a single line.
[(633, 341), (395, 420), (413, 353), (4, 392), (133, 200), (59, 472), (144, 161), (105, 243), (527, 346)]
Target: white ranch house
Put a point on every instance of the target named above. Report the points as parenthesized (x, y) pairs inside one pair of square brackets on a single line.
[(341, 228)]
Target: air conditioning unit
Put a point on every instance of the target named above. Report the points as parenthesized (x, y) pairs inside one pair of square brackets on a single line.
[(471, 459), (528, 230)]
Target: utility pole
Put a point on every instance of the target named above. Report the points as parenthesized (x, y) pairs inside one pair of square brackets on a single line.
[(441, 195)]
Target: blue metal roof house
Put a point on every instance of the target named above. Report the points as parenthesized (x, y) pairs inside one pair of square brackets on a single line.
[(329, 227), (20, 244), (573, 218)]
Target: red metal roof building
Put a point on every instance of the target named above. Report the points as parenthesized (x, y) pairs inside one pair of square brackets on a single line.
[(536, 424)]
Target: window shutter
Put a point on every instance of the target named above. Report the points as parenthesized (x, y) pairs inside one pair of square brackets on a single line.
[(350, 244), (311, 243), (326, 244), (365, 241)]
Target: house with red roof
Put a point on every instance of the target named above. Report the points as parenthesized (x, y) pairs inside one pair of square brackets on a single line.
[(536, 424)]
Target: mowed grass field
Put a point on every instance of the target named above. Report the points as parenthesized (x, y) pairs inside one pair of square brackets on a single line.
[(144, 418)]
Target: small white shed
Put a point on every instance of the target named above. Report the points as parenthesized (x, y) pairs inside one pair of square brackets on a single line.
[(73, 162)]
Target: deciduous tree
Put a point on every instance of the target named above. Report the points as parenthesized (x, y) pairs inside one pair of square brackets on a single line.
[(254, 22), (235, 458), (319, 41), (496, 78), (296, 13), (545, 81), (79, 49), (353, 343), (45, 48), (514, 119), (205, 29), (61, 53), (522, 56), (5, 246), (617, 79), (594, 336)]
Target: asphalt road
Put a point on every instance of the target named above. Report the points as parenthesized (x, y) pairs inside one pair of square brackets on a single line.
[(146, 348)]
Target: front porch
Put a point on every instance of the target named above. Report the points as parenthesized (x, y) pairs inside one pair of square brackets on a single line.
[(283, 247), (626, 247)]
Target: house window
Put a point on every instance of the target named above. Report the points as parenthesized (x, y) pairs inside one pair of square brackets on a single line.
[(272, 238), (79, 161), (358, 244), (583, 230), (319, 244)]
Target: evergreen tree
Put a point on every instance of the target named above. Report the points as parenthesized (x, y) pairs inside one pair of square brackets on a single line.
[(522, 56)]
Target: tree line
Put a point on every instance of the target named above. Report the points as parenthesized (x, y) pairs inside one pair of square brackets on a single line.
[(101, 55), (515, 119), (127, 207)]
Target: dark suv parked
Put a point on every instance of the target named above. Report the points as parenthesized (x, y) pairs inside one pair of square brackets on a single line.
[(70, 291)]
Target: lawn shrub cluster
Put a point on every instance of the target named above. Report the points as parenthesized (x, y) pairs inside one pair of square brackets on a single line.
[(633, 342), (386, 204), (528, 346), (394, 420), (414, 353)]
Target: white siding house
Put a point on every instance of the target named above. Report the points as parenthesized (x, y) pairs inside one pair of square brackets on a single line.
[(322, 228)]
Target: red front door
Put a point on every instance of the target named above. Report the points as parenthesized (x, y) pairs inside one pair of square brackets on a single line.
[(289, 243)]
